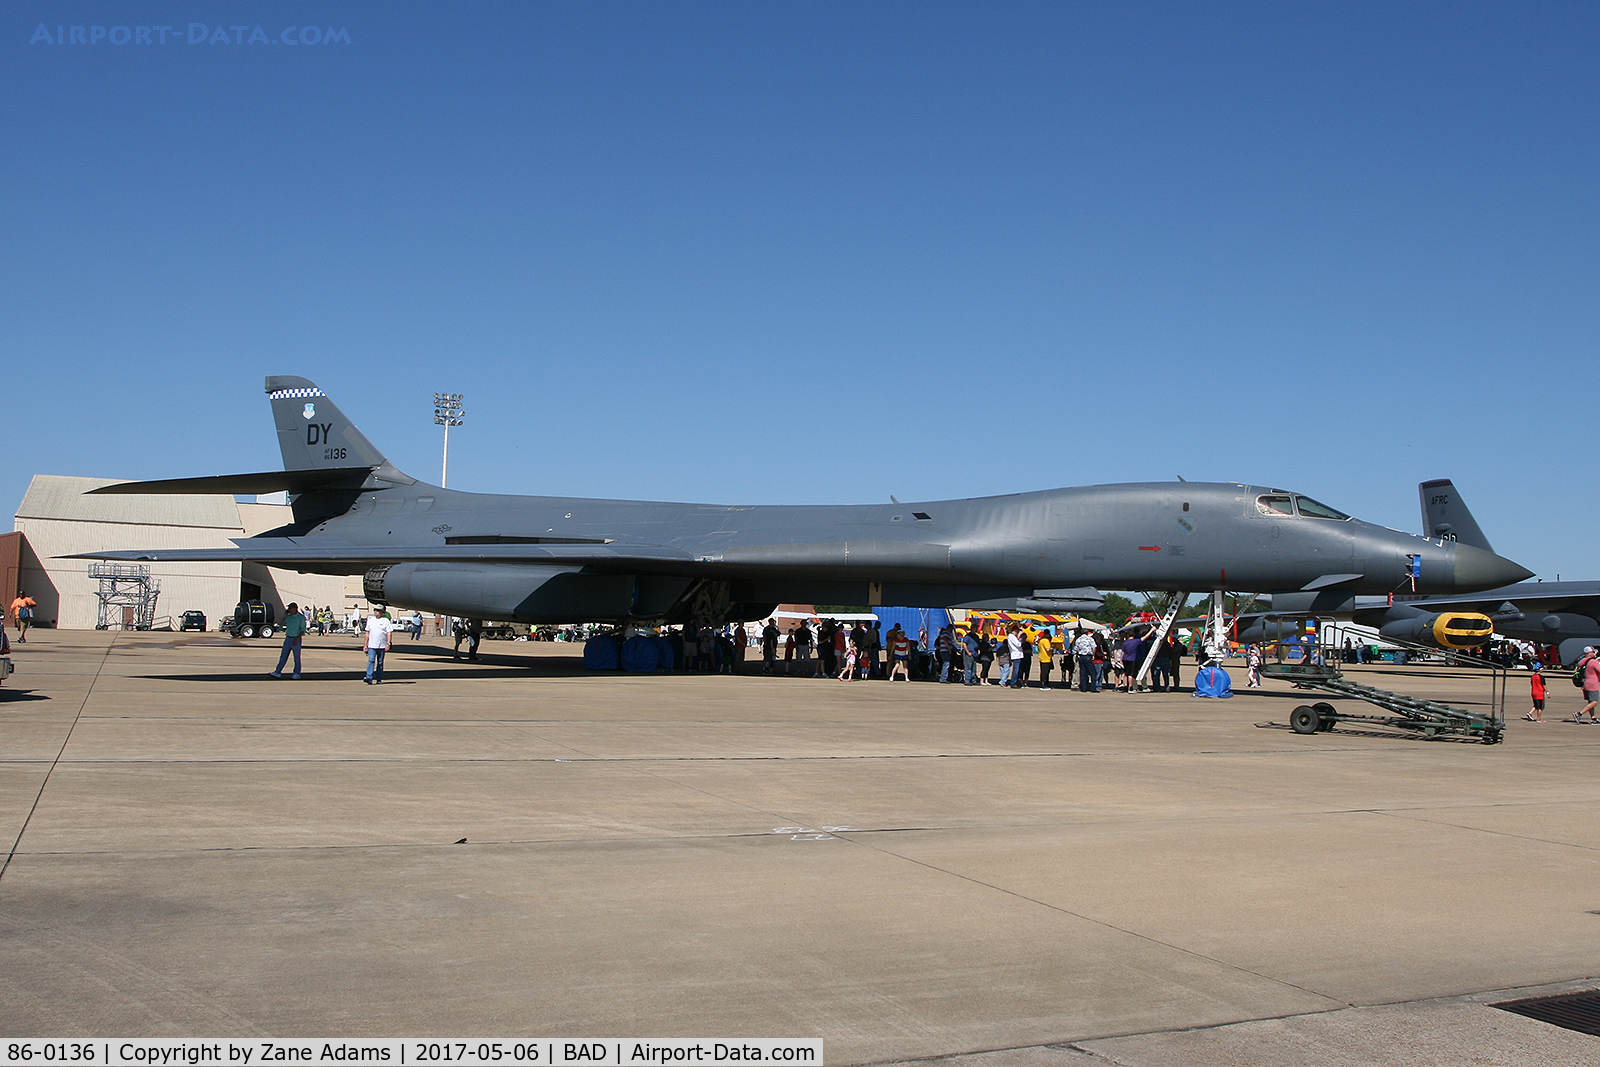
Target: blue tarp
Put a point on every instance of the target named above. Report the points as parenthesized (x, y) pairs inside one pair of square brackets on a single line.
[(912, 620), (1212, 681), (640, 654), (600, 653)]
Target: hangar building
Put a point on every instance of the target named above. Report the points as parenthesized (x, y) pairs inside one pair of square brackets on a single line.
[(56, 519)]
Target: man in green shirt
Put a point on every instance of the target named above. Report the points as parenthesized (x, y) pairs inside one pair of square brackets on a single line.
[(294, 628)]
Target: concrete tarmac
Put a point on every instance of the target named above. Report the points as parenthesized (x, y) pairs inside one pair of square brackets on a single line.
[(909, 871)]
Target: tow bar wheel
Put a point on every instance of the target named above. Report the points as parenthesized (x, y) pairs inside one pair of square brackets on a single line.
[(1327, 716), (1304, 719)]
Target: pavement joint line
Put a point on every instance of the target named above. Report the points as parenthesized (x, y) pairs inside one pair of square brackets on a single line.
[(807, 827), (1483, 998), (1072, 1044), (65, 741), (1392, 812), (1399, 814), (482, 843), (577, 759), (1101, 923), (1488, 997), (591, 758)]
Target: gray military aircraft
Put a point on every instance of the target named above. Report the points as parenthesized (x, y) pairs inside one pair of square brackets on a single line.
[(562, 559)]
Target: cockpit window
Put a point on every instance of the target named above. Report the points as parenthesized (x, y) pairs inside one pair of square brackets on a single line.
[(1274, 505), (1317, 510)]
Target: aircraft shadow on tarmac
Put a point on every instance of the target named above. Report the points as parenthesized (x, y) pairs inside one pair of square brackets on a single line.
[(411, 665), (8, 695), (391, 673)]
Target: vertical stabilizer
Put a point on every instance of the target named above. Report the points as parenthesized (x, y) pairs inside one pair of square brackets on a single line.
[(1445, 514), (313, 433)]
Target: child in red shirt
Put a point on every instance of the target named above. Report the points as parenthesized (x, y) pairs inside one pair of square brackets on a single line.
[(1536, 681)]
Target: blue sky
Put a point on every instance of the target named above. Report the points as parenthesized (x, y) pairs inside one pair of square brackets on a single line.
[(765, 252)]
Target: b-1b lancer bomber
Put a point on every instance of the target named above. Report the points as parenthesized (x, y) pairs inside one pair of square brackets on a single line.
[(540, 559)]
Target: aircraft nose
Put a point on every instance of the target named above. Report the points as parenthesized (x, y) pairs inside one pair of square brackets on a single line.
[(1477, 569)]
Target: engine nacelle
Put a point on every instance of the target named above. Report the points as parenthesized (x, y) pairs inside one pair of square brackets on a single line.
[(1063, 601), (1267, 629), (1447, 629), (516, 592)]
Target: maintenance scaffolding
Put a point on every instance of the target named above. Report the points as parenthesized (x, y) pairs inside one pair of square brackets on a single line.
[(127, 596)]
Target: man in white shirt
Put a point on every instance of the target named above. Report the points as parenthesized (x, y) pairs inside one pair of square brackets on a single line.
[(1083, 648), (378, 630)]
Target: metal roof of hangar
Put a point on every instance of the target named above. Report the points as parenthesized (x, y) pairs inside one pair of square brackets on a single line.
[(56, 496)]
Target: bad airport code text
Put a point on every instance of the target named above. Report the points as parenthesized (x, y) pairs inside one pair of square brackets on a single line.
[(456, 1052)]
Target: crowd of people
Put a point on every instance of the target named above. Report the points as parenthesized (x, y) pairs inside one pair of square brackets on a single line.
[(1128, 660), (1015, 655)]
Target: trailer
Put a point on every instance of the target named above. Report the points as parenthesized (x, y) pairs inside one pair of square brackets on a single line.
[(251, 618)]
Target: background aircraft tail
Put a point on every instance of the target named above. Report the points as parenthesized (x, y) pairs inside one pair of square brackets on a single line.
[(1445, 514), (313, 433)]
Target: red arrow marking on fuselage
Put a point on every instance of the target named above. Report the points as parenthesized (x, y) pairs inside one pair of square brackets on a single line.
[(1149, 548)]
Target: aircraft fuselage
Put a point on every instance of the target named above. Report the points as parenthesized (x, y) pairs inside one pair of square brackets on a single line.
[(1144, 536)]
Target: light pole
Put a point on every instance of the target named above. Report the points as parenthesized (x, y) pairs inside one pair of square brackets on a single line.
[(447, 413)]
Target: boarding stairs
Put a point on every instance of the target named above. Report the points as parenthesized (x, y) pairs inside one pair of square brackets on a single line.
[(1169, 614)]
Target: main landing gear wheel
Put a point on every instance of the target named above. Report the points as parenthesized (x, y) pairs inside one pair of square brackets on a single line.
[(1305, 720), (1326, 715)]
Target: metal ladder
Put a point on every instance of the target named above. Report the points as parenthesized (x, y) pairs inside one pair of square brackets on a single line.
[(1169, 614)]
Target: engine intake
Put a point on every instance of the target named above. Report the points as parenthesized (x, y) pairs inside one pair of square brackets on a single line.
[(1449, 629), (372, 585)]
